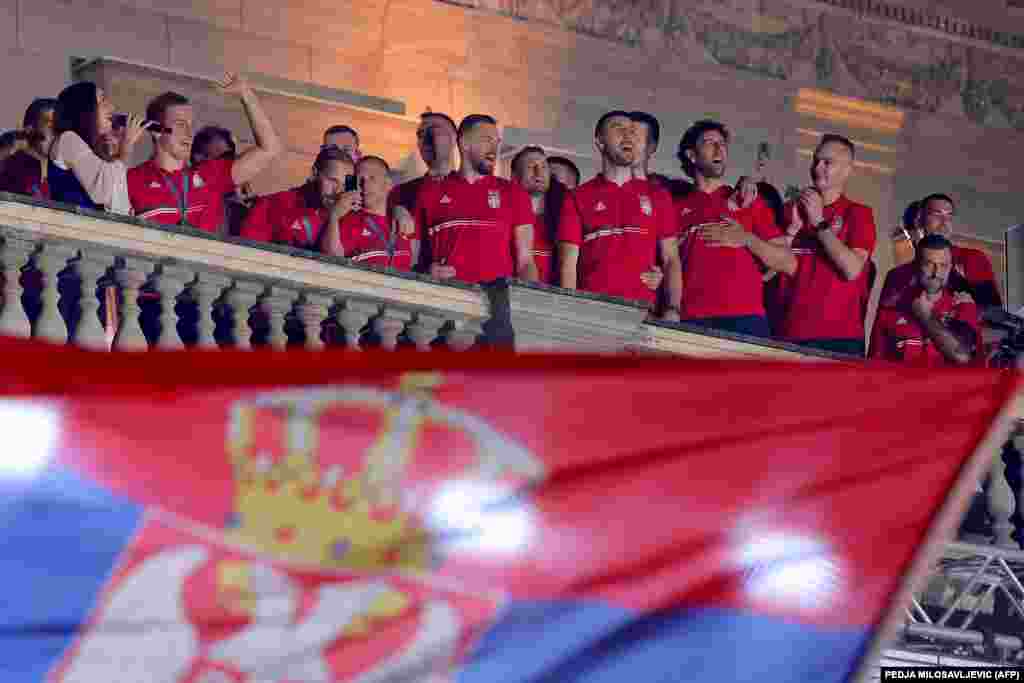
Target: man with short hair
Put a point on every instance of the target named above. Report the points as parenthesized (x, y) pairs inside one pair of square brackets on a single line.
[(614, 228), (677, 187), (833, 238), (972, 269), (166, 189), (365, 233), (479, 227), (24, 172), (564, 171), (530, 169), (345, 138), (929, 324), (724, 246)]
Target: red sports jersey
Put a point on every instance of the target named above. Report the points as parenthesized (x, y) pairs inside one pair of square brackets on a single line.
[(820, 302), (544, 252), (898, 335), (405, 194), (972, 264), (157, 195), (617, 230), (265, 222), (23, 174), (300, 227), (721, 281), (365, 237), (470, 226)]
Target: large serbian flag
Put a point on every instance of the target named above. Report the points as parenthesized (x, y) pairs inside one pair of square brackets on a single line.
[(303, 518)]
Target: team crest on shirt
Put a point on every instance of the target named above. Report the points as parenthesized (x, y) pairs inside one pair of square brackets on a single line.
[(494, 199), (366, 233), (837, 223), (197, 180), (599, 206), (902, 321), (445, 199), (155, 185), (297, 226), (645, 205)]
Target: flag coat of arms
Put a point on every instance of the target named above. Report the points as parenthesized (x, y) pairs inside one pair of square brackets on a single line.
[(279, 518)]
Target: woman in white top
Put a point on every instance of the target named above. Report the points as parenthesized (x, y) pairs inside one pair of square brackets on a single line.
[(77, 175)]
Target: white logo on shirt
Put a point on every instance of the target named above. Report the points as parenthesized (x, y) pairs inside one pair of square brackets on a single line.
[(197, 180), (297, 225), (366, 233), (155, 185), (902, 321), (493, 199), (599, 206), (445, 199), (685, 211), (645, 205)]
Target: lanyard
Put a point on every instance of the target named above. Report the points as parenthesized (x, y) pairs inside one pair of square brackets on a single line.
[(389, 241), (180, 197), (309, 230)]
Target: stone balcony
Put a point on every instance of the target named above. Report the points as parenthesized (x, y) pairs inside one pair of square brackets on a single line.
[(249, 295)]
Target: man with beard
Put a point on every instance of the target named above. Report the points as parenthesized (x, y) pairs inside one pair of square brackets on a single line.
[(833, 238), (972, 269), (929, 324), (24, 172), (613, 228), (530, 169), (478, 227), (724, 246)]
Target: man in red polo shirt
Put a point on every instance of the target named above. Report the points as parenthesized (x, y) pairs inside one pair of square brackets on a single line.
[(364, 232), (724, 246), (479, 227), (833, 238), (24, 172), (972, 269), (929, 324), (167, 190), (530, 169), (613, 228)]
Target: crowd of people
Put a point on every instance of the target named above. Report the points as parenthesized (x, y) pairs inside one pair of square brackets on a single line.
[(694, 250)]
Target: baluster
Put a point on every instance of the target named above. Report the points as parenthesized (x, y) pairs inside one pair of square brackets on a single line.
[(388, 325), (1001, 504), (131, 277), (463, 336), (312, 312), (424, 330), (207, 290), (277, 302), (51, 259), (352, 317), (170, 281), (14, 321), (90, 333), (242, 297)]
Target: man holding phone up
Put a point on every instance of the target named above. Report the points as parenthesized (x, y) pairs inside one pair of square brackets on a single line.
[(366, 234), (479, 227)]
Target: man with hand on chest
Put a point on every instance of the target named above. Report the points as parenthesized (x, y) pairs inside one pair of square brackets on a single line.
[(364, 232), (479, 227), (929, 324), (724, 245), (167, 190), (614, 228)]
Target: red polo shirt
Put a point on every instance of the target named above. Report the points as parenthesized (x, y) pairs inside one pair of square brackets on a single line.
[(820, 302), (617, 230), (265, 222), (155, 194), (300, 226), (544, 251), (898, 335), (364, 239), (470, 226), (23, 174), (721, 281), (972, 264)]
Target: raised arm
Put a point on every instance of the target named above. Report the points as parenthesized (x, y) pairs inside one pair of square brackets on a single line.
[(268, 145)]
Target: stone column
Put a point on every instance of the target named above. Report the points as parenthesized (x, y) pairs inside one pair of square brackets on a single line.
[(277, 302), (14, 321), (424, 330), (207, 289), (463, 336), (51, 259), (352, 318), (389, 325), (313, 311), (129, 333), (91, 268), (242, 297), (170, 281)]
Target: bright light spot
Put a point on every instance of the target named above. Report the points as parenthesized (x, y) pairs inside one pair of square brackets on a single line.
[(480, 517), (30, 435), (789, 570)]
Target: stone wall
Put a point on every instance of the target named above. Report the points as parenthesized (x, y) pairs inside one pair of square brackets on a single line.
[(932, 109)]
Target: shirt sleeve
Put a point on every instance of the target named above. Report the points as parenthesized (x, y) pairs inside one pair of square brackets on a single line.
[(862, 233), (978, 268), (668, 217), (764, 221), (106, 182), (257, 225), (570, 227), (522, 207)]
